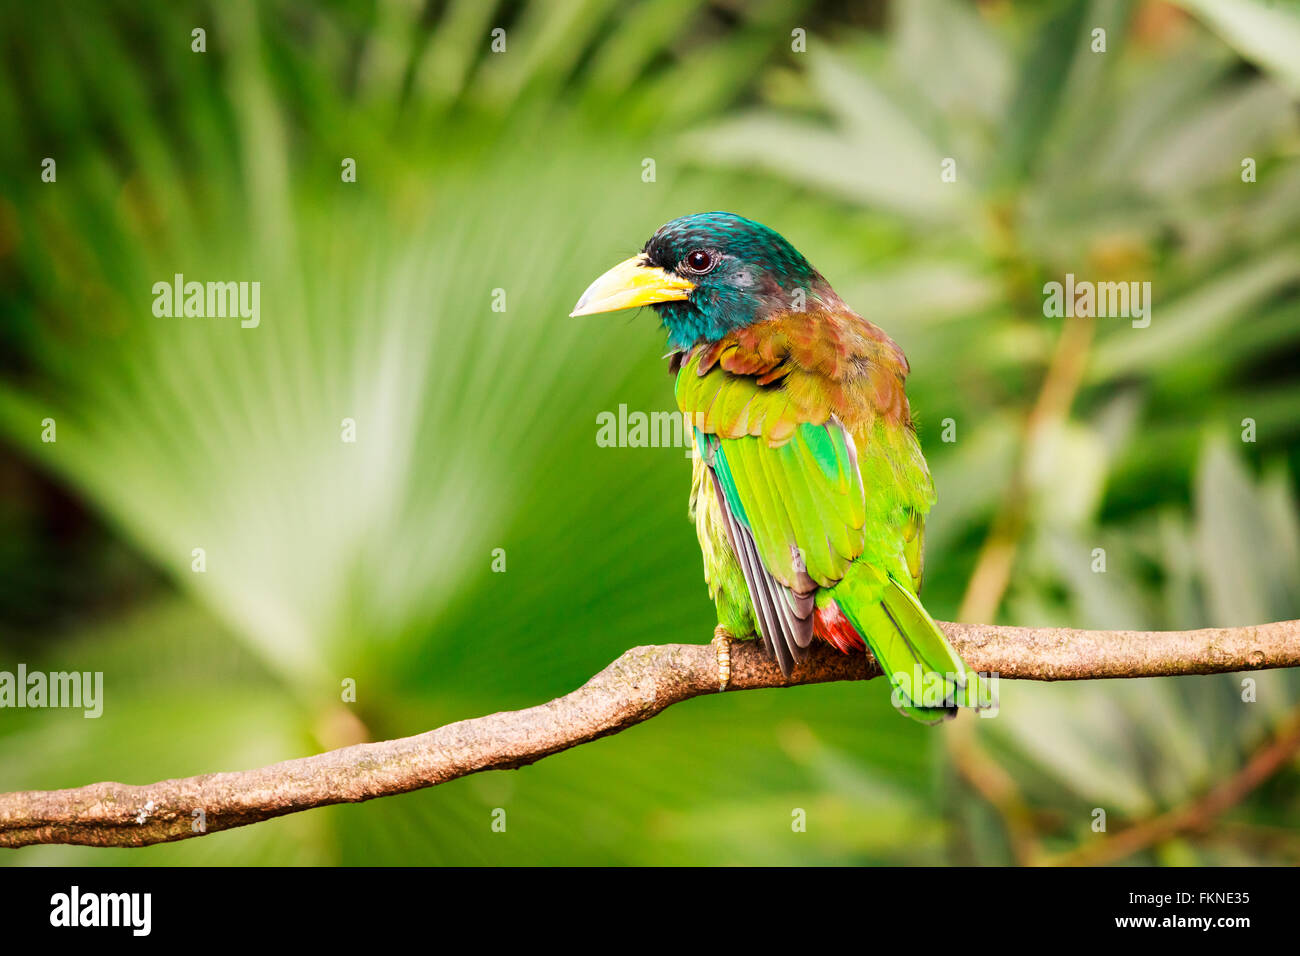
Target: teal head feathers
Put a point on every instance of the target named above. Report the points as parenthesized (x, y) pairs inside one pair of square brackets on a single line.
[(709, 274)]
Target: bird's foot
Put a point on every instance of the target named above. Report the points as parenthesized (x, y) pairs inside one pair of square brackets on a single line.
[(722, 646)]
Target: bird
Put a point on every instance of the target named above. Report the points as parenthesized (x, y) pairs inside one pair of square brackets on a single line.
[(809, 490)]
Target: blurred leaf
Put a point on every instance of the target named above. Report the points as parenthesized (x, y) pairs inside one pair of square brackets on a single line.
[(1193, 320), (1265, 33), (1040, 86), (1247, 556)]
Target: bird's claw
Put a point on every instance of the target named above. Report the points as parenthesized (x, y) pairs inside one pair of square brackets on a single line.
[(722, 646)]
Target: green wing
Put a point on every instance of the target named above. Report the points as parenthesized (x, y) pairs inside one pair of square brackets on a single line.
[(790, 493), (808, 535), (795, 518), (802, 501)]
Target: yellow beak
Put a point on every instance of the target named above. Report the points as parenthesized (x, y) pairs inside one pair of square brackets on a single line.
[(631, 283)]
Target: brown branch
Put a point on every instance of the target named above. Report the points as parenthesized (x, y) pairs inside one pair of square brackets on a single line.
[(638, 685)]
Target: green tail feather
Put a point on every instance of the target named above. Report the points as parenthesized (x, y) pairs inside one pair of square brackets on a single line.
[(928, 676)]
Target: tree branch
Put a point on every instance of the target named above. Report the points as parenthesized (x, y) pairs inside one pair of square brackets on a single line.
[(638, 685)]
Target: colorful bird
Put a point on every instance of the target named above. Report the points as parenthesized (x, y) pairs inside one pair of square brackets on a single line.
[(810, 491)]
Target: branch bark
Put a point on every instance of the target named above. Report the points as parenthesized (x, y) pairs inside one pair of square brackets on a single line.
[(640, 684)]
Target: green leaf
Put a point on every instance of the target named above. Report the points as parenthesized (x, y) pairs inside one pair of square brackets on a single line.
[(1267, 34)]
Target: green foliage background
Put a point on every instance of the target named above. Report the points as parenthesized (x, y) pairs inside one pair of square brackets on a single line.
[(523, 171)]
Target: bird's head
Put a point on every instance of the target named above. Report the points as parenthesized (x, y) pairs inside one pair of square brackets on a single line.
[(708, 275)]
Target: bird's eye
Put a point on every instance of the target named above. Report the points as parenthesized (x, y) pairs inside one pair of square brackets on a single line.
[(699, 260)]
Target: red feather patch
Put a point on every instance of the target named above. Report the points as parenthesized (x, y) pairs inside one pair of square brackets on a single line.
[(830, 624)]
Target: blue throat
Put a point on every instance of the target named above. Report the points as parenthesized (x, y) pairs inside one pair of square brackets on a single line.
[(687, 324)]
